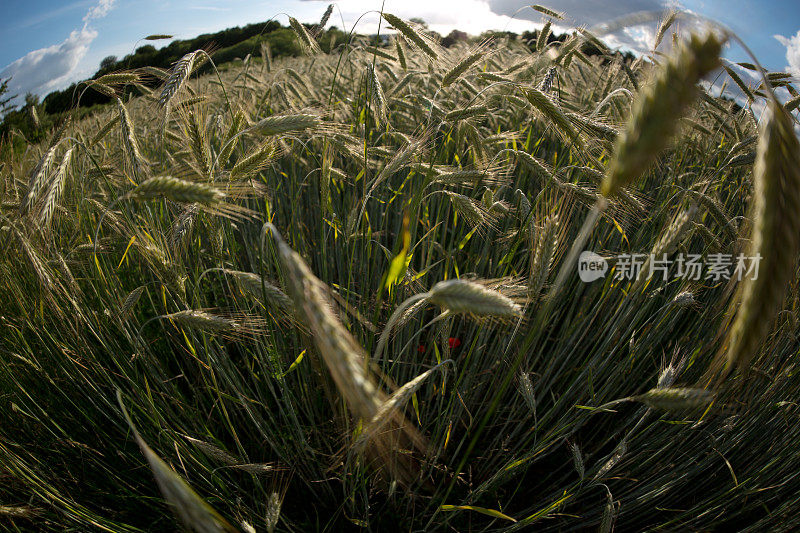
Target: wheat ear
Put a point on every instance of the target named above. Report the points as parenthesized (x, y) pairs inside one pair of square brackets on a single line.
[(654, 118), (411, 34), (775, 235)]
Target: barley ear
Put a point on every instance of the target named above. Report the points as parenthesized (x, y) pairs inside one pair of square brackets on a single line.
[(177, 78), (411, 34), (305, 38), (775, 236), (665, 24), (654, 118), (191, 509), (542, 256), (677, 399), (469, 297), (547, 11)]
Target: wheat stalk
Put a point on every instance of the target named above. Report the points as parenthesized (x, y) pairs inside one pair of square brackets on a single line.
[(401, 53), (256, 286), (204, 321), (323, 21)]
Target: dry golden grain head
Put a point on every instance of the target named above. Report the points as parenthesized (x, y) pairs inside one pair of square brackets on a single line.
[(401, 54), (538, 167), (324, 20), (675, 232), (547, 82), (103, 131), (256, 160), (544, 33), (466, 113), (391, 406), (546, 106), (775, 235), (684, 299), (119, 78), (38, 179), (609, 515), (196, 134), (469, 297), (129, 142), (471, 211), (257, 469), (524, 204), (19, 511), (54, 190), (656, 112), (525, 387), (665, 24)]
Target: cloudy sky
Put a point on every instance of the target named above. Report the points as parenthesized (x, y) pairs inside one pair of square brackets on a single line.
[(47, 44)]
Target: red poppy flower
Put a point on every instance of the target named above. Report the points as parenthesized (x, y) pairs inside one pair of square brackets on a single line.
[(454, 342), (421, 348)]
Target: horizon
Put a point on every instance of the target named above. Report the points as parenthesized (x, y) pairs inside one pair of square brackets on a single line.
[(50, 46)]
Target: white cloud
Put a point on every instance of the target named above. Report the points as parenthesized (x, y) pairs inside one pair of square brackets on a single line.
[(47, 69), (210, 8), (100, 10), (43, 70), (579, 12), (792, 45), (476, 16), (442, 16)]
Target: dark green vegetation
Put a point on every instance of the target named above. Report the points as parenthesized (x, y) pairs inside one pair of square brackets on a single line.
[(345, 387)]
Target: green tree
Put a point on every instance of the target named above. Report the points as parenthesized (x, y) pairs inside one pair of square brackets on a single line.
[(5, 98), (108, 62)]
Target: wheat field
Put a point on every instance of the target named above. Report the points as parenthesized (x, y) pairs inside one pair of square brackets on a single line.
[(338, 292)]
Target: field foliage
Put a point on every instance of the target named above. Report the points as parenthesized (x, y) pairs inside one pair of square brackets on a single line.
[(338, 292)]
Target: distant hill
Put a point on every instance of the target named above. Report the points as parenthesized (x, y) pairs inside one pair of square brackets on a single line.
[(35, 118)]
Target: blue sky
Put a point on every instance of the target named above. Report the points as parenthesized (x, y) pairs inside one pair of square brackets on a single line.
[(47, 44)]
